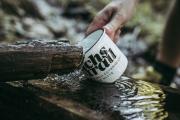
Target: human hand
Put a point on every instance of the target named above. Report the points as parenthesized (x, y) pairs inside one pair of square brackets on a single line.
[(113, 17)]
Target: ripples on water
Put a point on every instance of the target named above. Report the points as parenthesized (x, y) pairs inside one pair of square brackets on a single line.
[(140, 100), (132, 99)]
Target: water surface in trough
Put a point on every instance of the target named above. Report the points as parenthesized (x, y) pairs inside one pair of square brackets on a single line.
[(127, 98)]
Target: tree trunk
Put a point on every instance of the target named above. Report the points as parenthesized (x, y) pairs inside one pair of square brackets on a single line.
[(35, 59)]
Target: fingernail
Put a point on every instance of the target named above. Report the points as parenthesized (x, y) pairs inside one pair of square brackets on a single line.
[(107, 29)]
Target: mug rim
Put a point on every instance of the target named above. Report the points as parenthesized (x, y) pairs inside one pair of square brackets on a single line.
[(96, 40)]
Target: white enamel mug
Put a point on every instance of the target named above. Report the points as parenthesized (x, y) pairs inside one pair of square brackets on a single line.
[(103, 61)]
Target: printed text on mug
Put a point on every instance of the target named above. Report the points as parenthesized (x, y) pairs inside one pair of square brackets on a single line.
[(99, 61)]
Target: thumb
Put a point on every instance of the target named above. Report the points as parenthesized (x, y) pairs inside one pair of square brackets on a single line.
[(114, 25)]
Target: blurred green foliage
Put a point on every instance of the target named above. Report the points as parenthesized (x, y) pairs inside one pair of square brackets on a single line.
[(150, 16), (150, 22)]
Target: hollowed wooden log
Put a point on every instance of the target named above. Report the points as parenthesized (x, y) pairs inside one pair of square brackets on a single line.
[(35, 59)]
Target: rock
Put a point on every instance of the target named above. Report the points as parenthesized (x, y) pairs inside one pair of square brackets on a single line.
[(12, 7), (44, 9), (36, 29), (57, 26), (77, 10), (130, 44), (21, 8)]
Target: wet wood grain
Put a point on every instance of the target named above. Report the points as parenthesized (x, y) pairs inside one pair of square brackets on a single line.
[(35, 59)]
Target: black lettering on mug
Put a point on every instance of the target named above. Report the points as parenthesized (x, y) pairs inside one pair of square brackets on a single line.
[(99, 61)]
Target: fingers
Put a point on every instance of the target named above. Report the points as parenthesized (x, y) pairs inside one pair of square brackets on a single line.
[(111, 18), (112, 28), (99, 21), (114, 35), (114, 25)]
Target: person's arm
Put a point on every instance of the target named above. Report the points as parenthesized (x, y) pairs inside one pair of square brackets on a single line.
[(113, 17), (169, 52)]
